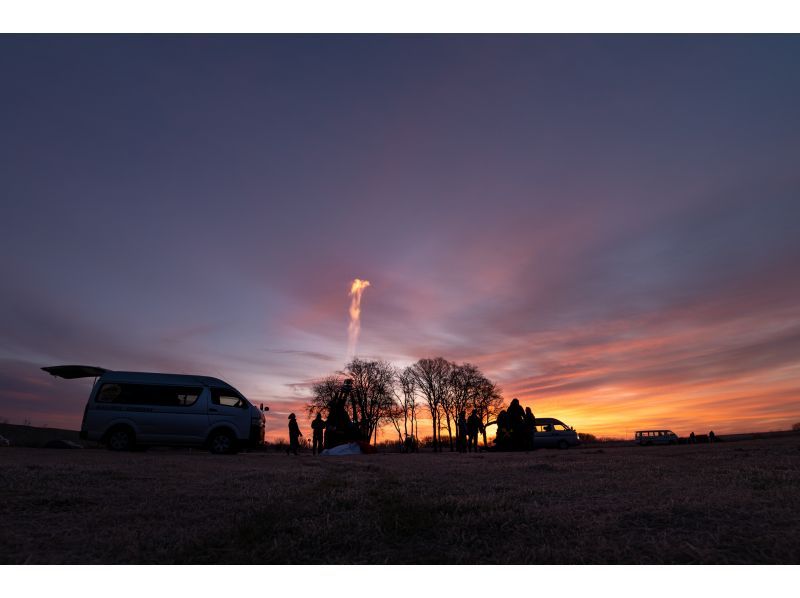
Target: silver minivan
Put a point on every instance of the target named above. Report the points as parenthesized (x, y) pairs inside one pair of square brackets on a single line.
[(553, 433), (127, 410)]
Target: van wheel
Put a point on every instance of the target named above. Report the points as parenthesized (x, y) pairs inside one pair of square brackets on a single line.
[(120, 439), (222, 443), (563, 444)]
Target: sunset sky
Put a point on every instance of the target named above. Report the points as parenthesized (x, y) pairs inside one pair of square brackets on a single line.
[(608, 226)]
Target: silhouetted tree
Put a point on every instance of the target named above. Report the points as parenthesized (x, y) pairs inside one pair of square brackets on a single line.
[(373, 392), (796, 427), (395, 416), (448, 403), (488, 403), (408, 400), (465, 382), (371, 397), (323, 393), (431, 376)]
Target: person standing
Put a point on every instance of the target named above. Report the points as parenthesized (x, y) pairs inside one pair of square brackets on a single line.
[(294, 435), (461, 440), (474, 426), (712, 437), (516, 421), (318, 427), (530, 429), (503, 438)]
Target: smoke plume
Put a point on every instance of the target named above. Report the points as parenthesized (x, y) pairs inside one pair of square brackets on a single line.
[(356, 289)]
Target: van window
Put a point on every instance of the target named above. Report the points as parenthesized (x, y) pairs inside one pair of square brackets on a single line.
[(221, 396), (561, 427), (149, 394)]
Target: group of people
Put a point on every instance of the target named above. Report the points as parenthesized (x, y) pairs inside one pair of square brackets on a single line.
[(468, 430), (516, 428), (337, 429), (711, 438)]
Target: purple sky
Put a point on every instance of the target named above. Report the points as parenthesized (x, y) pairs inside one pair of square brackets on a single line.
[(608, 226)]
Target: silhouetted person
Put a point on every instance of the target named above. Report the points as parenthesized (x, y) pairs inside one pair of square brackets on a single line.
[(516, 421), (503, 439), (530, 428), (474, 427), (461, 441), (338, 425), (294, 435), (692, 438), (712, 437), (318, 426)]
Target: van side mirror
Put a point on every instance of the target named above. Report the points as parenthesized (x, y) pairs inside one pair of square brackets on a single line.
[(264, 408)]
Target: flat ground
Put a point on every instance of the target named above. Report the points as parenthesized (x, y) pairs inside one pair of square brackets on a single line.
[(735, 502)]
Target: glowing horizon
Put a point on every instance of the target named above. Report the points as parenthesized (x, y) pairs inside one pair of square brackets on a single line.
[(605, 225)]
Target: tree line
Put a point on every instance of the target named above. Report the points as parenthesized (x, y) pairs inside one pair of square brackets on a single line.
[(383, 394)]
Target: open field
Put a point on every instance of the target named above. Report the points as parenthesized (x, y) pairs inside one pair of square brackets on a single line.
[(724, 503)]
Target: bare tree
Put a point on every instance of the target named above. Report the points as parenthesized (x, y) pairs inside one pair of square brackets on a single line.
[(372, 394), (431, 378), (323, 394), (448, 403), (488, 403), (408, 400), (395, 416), (465, 381)]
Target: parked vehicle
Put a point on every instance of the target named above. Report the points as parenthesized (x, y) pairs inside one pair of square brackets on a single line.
[(553, 433), (128, 410), (650, 437)]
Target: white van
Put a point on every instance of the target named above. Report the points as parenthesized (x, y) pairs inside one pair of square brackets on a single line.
[(127, 410), (650, 437), (553, 433)]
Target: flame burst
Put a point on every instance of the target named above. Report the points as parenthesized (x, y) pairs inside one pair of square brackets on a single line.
[(356, 289)]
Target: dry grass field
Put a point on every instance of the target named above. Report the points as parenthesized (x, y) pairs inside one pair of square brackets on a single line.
[(735, 502)]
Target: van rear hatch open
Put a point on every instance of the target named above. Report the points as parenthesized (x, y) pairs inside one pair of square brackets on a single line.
[(71, 372)]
